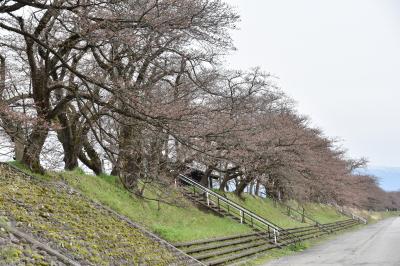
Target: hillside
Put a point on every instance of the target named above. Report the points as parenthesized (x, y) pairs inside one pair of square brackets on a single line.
[(54, 214), (51, 210), (185, 221)]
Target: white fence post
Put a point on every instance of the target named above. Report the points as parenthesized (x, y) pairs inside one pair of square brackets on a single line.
[(241, 216), (208, 199), (274, 235)]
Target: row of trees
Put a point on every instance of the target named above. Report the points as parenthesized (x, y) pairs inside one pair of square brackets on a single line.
[(139, 88)]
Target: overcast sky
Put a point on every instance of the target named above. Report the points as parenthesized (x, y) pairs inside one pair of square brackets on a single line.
[(339, 59)]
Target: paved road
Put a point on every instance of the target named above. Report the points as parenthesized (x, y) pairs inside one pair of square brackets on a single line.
[(377, 244)]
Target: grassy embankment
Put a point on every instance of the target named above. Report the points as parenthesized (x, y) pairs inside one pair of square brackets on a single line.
[(172, 223), (187, 222), (56, 216), (183, 223)]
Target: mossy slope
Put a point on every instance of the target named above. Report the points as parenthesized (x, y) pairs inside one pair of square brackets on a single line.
[(73, 225), (17, 251), (174, 223)]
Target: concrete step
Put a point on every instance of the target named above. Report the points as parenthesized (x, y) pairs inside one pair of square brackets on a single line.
[(237, 256), (234, 249)]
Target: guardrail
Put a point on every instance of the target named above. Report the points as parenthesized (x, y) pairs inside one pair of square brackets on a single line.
[(350, 214), (291, 210), (271, 230), (245, 215)]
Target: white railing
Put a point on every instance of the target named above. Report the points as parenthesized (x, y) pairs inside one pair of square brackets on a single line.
[(245, 215), (352, 215)]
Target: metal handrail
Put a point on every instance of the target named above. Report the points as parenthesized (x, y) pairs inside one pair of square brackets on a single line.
[(232, 204), (351, 215), (302, 214)]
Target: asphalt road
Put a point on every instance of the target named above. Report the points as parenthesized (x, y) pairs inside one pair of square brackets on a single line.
[(377, 244)]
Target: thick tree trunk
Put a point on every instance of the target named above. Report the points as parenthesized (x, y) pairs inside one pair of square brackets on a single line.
[(242, 186), (115, 170), (94, 161), (70, 141), (228, 177), (70, 156), (205, 178), (130, 156), (31, 156), (19, 147), (41, 96), (224, 183)]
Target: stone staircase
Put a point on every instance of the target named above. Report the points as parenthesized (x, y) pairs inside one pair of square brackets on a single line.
[(238, 249), (224, 250)]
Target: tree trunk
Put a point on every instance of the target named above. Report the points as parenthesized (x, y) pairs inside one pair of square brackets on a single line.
[(70, 142), (19, 147), (2, 74), (41, 98), (205, 178), (11, 127), (130, 156), (251, 188), (224, 183), (70, 156), (31, 156), (242, 186), (257, 192), (228, 177), (115, 170), (94, 161)]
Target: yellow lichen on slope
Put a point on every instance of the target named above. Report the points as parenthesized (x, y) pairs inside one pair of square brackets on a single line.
[(74, 225)]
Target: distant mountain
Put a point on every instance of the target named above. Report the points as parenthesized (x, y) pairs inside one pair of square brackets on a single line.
[(389, 177)]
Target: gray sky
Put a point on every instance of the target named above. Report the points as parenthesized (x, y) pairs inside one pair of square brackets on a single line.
[(339, 59)]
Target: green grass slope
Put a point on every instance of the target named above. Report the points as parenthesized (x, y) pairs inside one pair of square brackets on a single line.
[(278, 214), (172, 223), (184, 222), (266, 209)]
